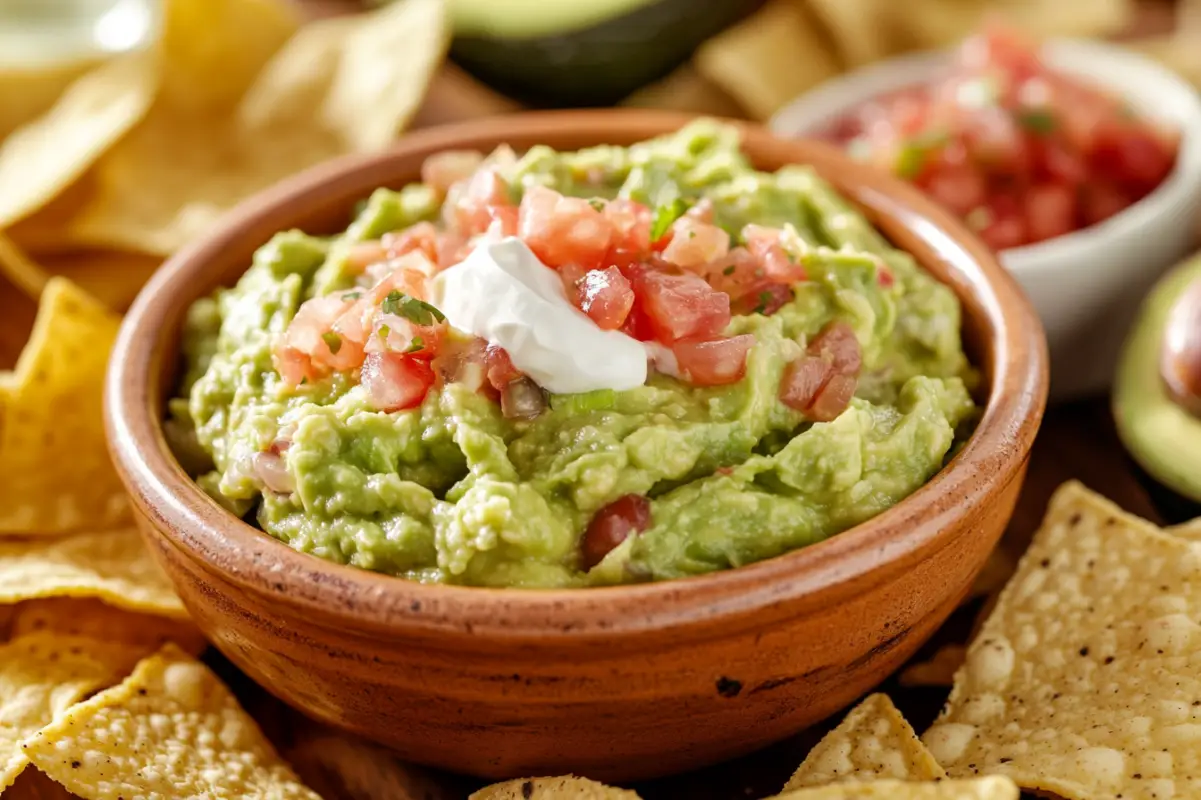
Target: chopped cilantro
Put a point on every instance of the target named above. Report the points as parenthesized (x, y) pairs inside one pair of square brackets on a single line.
[(728, 270), (383, 331), (764, 299), (416, 344), (665, 215), (416, 311), (911, 158), (1039, 121), (333, 341), (597, 203), (351, 296)]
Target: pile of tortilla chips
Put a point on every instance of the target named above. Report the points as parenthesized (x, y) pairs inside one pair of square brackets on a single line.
[(101, 695), (142, 153)]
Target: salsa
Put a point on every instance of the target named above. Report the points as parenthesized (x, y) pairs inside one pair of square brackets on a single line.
[(1021, 152)]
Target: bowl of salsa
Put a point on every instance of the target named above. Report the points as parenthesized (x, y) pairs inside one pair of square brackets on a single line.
[(1078, 162)]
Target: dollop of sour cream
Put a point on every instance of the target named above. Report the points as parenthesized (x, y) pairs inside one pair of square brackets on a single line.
[(504, 294)]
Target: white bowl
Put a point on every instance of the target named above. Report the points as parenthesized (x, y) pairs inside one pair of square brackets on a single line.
[(1086, 285)]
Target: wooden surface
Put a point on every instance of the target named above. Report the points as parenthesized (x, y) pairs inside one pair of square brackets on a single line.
[(1077, 441)]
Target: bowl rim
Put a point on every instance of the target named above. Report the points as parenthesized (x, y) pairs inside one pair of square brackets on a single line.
[(806, 113), (348, 598)]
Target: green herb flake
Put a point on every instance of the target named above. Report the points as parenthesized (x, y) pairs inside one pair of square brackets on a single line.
[(597, 203), (349, 296), (911, 159), (1039, 121), (333, 341), (728, 270), (764, 299), (415, 344), (665, 215), (383, 332), (416, 311)]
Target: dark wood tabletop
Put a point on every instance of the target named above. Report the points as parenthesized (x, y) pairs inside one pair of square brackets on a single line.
[(1077, 440)]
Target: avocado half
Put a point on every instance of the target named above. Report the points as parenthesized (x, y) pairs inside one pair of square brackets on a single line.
[(577, 53), (1163, 437)]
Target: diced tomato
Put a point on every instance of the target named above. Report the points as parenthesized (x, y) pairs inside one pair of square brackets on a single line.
[(607, 297), (1050, 211), (1100, 200), (1056, 162), (681, 306), (463, 362), (960, 188), (422, 237), (832, 399), (838, 345), (766, 300), (467, 209), (701, 211), (638, 324), (625, 517), (631, 238), (392, 333), (294, 366), (715, 362), (443, 170), (395, 382), (1131, 155), (364, 254), (764, 245), (1006, 225), (737, 274), (309, 329), (993, 141), (695, 244), (563, 230), (499, 367), (803, 378), (504, 221)]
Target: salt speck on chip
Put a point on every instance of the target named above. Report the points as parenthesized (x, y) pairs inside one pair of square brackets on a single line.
[(171, 729), (41, 676), (873, 741), (990, 788), (113, 566), (1085, 681), (55, 474)]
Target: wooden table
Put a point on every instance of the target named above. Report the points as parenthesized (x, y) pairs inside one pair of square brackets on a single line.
[(1077, 441)]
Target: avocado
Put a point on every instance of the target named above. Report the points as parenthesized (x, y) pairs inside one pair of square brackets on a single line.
[(1158, 431), (575, 53)]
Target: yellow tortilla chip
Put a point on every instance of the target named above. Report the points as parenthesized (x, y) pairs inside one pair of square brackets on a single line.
[(873, 742), (41, 676), (113, 566), (30, 91), (69, 616), (938, 671), (563, 787), (1086, 679), (171, 729), (20, 268), (1190, 530), (991, 788), (55, 474), (339, 85), (42, 158), (112, 278), (769, 58), (339, 765)]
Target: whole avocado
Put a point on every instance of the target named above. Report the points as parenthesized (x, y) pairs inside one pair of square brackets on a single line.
[(1163, 437), (580, 53)]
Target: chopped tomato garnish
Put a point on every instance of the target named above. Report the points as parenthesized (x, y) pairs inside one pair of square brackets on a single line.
[(563, 230), (681, 306), (422, 237), (443, 170), (821, 383), (695, 244), (631, 238), (715, 362), (504, 221), (773, 262), (499, 367), (467, 210), (394, 381), (624, 517), (1050, 211), (606, 296)]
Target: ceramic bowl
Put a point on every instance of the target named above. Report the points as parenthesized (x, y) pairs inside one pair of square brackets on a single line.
[(615, 683), (1087, 285)]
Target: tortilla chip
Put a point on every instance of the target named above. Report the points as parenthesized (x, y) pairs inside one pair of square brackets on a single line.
[(1084, 681), (339, 765), (55, 474), (991, 788), (113, 566), (339, 85), (874, 741), (171, 729), (30, 91), (1190, 530), (41, 676), (112, 278), (938, 671), (768, 58), (685, 90), (564, 787), (69, 616), (42, 158)]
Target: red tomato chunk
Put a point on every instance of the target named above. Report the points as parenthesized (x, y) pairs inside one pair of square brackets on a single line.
[(821, 383), (612, 525)]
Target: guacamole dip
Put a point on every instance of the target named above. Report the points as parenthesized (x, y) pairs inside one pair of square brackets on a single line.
[(575, 369)]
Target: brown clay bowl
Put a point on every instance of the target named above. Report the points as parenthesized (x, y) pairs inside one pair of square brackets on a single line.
[(616, 683)]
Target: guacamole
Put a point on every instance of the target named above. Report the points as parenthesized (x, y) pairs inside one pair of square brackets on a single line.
[(751, 436)]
